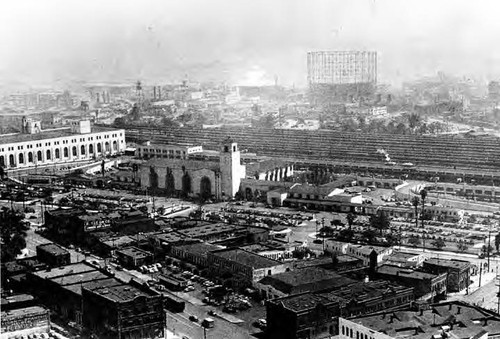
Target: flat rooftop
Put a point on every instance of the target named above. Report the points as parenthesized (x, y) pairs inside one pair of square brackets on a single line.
[(301, 302), (208, 230), (16, 298), (405, 272), (469, 322), (200, 248), (53, 249), (310, 278), (49, 134), (246, 258), (120, 292), (449, 263), (23, 312), (134, 252)]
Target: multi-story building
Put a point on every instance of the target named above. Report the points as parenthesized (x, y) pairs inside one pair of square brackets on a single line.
[(149, 150), (133, 257), (341, 67), (37, 147), (459, 272), (426, 285), (452, 319), (344, 75), (242, 267), (315, 315), (118, 310), (25, 322), (53, 255), (309, 279)]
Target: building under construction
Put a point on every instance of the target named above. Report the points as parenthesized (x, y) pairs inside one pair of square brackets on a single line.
[(341, 75)]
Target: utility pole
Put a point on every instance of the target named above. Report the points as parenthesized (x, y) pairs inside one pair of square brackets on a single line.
[(498, 293), (489, 245)]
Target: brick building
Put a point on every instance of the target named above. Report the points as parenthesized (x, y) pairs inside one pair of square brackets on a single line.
[(116, 310), (53, 255), (459, 272), (242, 267)]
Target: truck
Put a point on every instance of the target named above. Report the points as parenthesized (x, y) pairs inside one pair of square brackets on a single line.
[(208, 323)]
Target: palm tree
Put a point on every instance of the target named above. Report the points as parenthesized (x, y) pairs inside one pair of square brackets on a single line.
[(423, 195), (415, 201)]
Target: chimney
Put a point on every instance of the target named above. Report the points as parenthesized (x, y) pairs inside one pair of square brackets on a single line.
[(459, 309), (450, 306), (421, 312), (485, 322)]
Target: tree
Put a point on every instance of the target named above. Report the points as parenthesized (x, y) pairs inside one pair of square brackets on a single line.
[(414, 240), (486, 249), (326, 231), (414, 120), (462, 246), (13, 234), (335, 260), (350, 219), (439, 243), (380, 222), (415, 201), (497, 241), (346, 235), (369, 235)]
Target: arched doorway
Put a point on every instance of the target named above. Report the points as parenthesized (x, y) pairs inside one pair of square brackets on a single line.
[(186, 183), (91, 149), (66, 153), (39, 156), (82, 150), (58, 153), (2, 161), (115, 146), (12, 161), (21, 158), (73, 151), (48, 155), (99, 148), (169, 182), (106, 147), (205, 188)]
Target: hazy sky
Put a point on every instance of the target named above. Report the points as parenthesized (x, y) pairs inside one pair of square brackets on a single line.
[(44, 41)]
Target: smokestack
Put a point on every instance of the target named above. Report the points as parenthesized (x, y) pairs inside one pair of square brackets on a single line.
[(98, 97), (154, 92), (103, 97)]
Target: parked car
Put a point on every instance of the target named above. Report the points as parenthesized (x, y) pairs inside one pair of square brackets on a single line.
[(193, 318)]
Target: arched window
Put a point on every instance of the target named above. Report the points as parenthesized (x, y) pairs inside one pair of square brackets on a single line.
[(2, 161), (48, 154), (30, 157), (66, 153), (91, 149), (12, 161), (73, 150), (115, 145), (58, 153), (82, 150), (99, 148), (21, 158), (39, 156), (106, 147)]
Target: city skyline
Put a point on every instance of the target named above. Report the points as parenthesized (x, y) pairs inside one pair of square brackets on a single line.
[(54, 42)]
